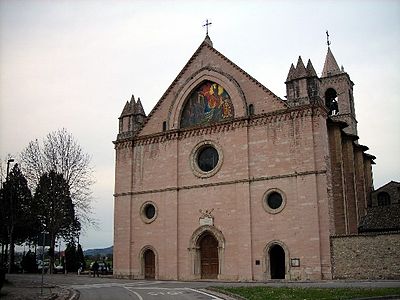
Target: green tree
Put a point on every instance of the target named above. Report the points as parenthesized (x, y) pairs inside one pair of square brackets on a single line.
[(55, 210), (81, 257), (29, 262), (71, 257), (16, 212)]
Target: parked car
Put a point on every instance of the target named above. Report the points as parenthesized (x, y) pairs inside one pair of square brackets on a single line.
[(104, 268), (58, 269)]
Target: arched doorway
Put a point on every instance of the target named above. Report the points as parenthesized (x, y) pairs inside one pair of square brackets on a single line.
[(149, 264), (209, 265), (277, 262)]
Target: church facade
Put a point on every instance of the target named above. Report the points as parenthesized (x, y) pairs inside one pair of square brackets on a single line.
[(225, 180)]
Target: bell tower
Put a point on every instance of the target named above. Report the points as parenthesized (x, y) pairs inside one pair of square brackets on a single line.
[(337, 92)]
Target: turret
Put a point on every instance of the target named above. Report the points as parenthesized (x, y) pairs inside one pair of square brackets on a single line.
[(132, 117), (302, 83)]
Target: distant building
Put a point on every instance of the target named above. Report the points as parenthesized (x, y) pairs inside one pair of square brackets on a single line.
[(384, 213), (225, 180)]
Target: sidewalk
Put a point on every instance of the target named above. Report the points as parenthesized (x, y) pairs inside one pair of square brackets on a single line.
[(24, 289)]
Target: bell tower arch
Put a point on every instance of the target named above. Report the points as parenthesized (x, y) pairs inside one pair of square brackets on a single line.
[(337, 93)]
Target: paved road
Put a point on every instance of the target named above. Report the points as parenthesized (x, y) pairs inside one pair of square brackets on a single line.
[(115, 289), (142, 290)]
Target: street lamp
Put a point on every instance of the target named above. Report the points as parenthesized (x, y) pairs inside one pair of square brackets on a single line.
[(2, 245), (10, 254)]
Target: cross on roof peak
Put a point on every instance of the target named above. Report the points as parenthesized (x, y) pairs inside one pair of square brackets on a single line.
[(327, 39), (206, 25)]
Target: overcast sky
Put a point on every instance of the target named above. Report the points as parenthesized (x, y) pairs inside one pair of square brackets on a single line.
[(74, 64)]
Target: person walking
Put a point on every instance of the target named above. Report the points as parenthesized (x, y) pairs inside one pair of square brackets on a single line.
[(95, 268)]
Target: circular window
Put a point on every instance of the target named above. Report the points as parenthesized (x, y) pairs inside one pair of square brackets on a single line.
[(274, 201), (206, 159), (148, 212)]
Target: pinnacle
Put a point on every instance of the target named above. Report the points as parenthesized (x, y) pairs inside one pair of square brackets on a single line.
[(138, 109), (300, 69), (291, 73), (126, 110), (331, 67), (310, 69)]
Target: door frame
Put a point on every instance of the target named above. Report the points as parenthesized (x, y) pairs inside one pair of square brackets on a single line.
[(194, 249), (267, 263), (142, 263)]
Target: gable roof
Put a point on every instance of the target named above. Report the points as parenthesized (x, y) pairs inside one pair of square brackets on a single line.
[(207, 43), (395, 183)]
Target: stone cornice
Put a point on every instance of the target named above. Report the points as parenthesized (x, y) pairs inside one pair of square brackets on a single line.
[(244, 180), (337, 123), (256, 120)]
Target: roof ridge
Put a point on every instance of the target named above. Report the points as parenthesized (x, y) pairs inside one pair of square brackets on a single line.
[(195, 54), (247, 75), (160, 101)]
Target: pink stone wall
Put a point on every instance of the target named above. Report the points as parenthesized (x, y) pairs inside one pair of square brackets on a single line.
[(277, 148), (287, 153)]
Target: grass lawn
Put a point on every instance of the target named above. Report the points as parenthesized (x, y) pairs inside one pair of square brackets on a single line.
[(276, 293)]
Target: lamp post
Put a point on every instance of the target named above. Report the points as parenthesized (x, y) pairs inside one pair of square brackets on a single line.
[(11, 249), (8, 167), (3, 255)]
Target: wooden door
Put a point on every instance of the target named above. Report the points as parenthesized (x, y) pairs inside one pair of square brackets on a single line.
[(149, 265), (209, 257)]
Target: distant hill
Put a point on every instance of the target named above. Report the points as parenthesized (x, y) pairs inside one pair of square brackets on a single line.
[(101, 252)]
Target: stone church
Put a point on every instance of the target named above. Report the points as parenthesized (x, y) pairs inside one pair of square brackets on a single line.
[(225, 180)]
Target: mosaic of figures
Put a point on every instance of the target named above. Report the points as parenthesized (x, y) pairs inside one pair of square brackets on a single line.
[(208, 103)]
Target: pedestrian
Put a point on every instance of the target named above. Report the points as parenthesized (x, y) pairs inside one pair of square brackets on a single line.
[(80, 268), (95, 268)]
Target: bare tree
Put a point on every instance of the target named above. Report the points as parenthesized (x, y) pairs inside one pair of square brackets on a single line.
[(60, 153)]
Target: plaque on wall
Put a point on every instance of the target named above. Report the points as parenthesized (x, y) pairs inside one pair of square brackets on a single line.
[(206, 221), (206, 217)]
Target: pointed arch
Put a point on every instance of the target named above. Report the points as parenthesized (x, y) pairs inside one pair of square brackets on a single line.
[(194, 248)]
